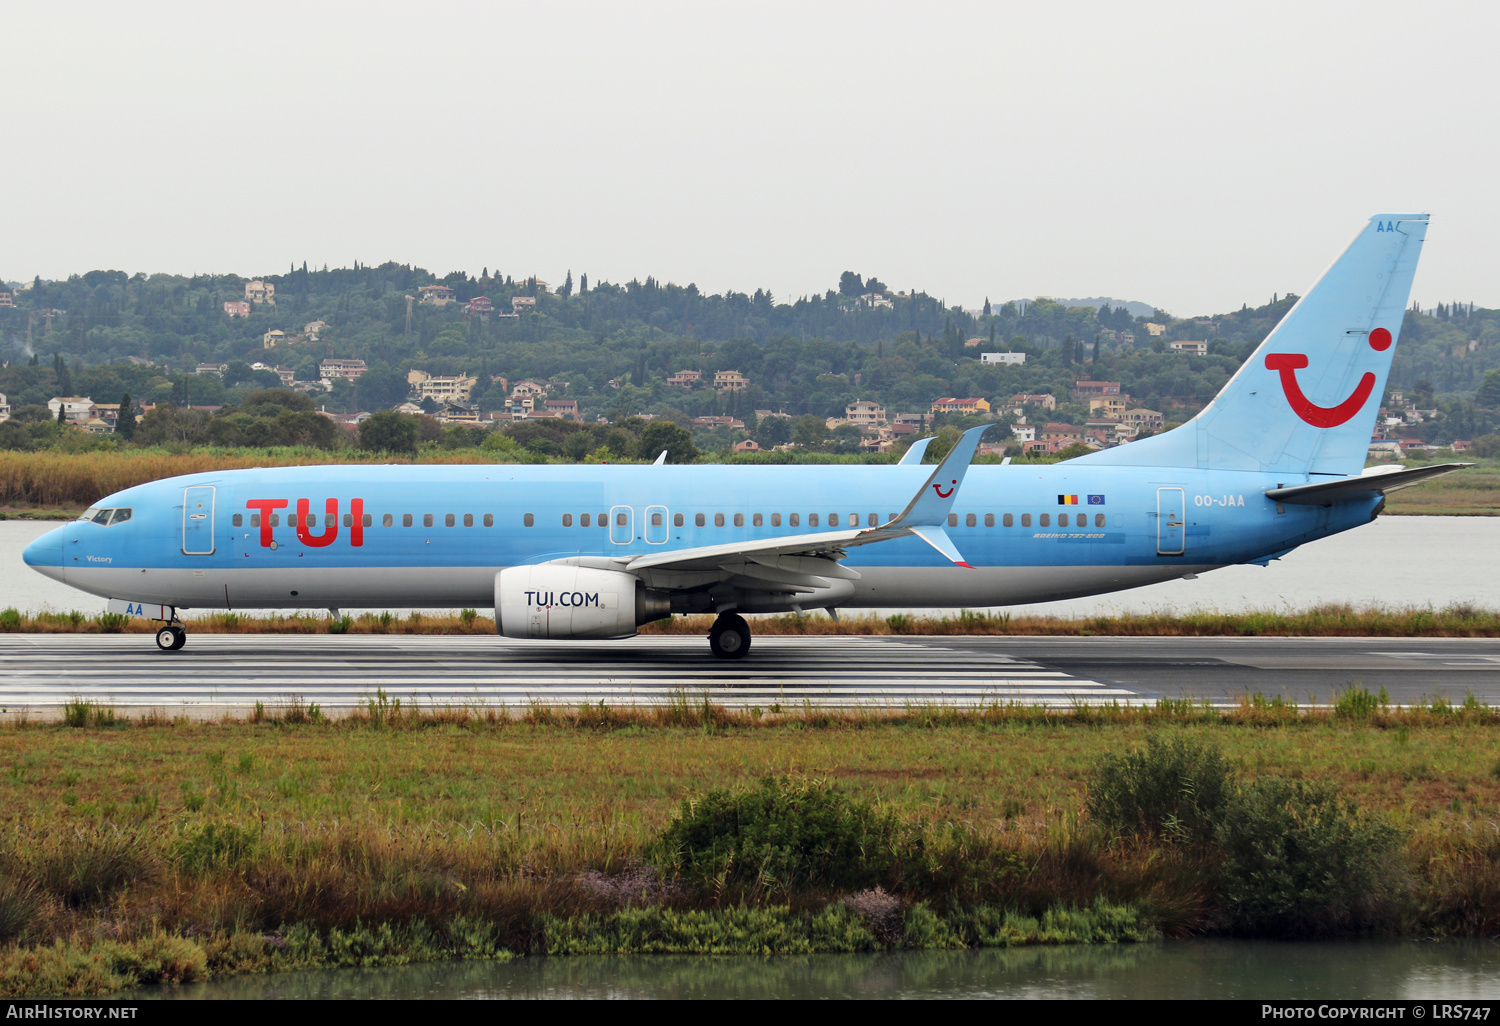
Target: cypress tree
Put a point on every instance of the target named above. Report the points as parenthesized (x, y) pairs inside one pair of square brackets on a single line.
[(125, 425)]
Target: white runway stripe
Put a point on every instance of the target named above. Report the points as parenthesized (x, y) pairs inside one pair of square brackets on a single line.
[(234, 671)]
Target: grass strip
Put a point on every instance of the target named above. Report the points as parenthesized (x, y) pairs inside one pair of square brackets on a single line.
[(1460, 620)]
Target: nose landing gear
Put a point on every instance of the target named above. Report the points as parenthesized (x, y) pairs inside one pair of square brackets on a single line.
[(729, 638), (170, 637)]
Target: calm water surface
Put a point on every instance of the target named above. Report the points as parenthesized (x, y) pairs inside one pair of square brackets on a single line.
[(1449, 971), (1396, 561)]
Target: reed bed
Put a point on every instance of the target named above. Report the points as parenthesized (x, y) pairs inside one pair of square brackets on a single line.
[(1454, 621), (157, 849), (77, 480)]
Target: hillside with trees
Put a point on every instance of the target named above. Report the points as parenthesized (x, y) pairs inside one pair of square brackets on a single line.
[(108, 333)]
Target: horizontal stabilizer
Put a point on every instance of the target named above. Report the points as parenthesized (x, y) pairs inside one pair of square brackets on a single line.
[(1378, 481)]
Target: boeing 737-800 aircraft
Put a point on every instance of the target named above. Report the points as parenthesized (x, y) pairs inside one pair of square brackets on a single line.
[(594, 551)]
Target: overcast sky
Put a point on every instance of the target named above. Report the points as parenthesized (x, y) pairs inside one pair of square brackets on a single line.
[(1191, 155)]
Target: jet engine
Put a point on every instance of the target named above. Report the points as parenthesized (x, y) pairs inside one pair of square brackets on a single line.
[(554, 601)]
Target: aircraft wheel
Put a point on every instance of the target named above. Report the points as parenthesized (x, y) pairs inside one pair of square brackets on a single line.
[(171, 638), (729, 637)]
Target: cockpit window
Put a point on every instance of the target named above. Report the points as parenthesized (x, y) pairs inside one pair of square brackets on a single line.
[(106, 517)]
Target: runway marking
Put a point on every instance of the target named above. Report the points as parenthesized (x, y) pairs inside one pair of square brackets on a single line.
[(229, 671)]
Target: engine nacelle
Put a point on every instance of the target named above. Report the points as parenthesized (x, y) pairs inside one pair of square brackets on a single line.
[(550, 601)]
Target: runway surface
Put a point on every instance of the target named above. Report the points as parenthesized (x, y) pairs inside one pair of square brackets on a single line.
[(230, 672)]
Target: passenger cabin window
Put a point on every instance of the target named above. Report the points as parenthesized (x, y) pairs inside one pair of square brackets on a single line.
[(405, 519), (656, 520), (603, 519), (1045, 520), (812, 520), (584, 520), (970, 520), (1098, 519), (567, 520), (1062, 520), (387, 520), (369, 519), (449, 520), (1025, 519), (427, 519), (468, 520), (989, 520), (1009, 520), (699, 520), (238, 521), (833, 520), (621, 519), (275, 519), (528, 520), (676, 519), (757, 521), (489, 520), (874, 520), (794, 519), (329, 520), (254, 519), (775, 519), (718, 520), (952, 519), (348, 519)]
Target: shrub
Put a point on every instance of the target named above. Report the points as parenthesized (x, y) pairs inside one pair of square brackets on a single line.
[(1299, 860), (10, 619), (92, 866), (214, 846), (784, 832), (18, 905), (1178, 786), (1356, 703)]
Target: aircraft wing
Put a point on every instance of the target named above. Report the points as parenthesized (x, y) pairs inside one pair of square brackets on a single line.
[(923, 517), (1375, 481)]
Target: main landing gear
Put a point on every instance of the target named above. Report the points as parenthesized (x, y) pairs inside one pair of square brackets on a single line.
[(729, 638), (170, 637)]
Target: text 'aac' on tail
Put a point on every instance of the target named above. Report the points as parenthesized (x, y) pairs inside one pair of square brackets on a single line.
[(1306, 400)]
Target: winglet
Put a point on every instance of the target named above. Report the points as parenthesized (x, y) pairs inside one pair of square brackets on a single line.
[(930, 506), (916, 452), (660, 459)]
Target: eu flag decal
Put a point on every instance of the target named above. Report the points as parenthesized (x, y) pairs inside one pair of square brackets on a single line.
[(1096, 500), (1067, 500)]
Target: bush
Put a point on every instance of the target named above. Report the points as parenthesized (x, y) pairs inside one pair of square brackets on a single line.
[(92, 866), (214, 846), (19, 902), (1299, 861), (1178, 787), (785, 832)]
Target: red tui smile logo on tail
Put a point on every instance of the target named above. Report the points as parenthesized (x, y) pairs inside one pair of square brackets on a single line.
[(939, 489), (1288, 364)]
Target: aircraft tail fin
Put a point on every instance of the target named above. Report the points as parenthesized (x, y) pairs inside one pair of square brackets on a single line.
[(1306, 400)]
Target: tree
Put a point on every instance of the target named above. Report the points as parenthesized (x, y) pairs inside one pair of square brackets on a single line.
[(1488, 395), (125, 423), (851, 284), (390, 431), (567, 289), (676, 440)]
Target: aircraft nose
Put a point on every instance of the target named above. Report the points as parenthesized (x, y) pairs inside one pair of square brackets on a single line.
[(45, 554)]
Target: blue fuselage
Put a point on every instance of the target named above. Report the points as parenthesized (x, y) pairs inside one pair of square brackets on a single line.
[(437, 535)]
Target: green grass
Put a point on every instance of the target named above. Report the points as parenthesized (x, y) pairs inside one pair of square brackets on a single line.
[(163, 849)]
